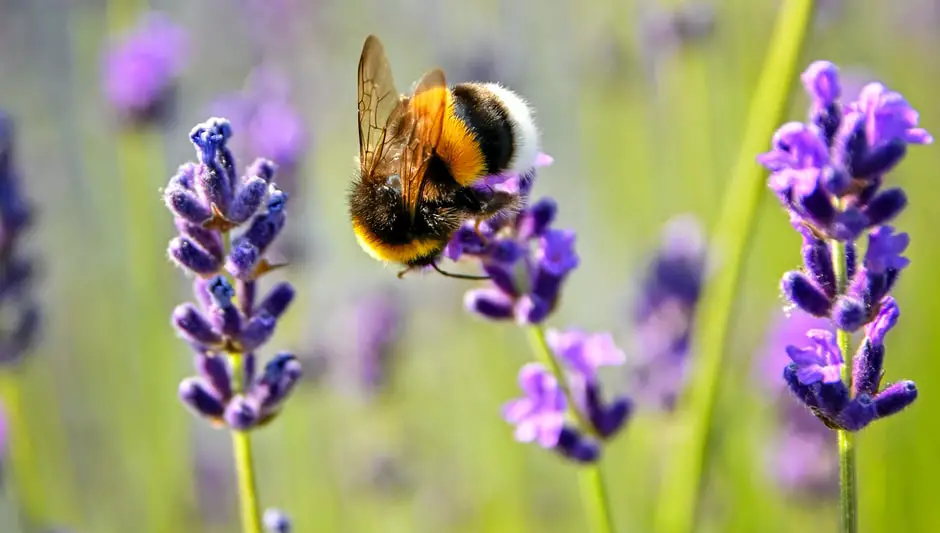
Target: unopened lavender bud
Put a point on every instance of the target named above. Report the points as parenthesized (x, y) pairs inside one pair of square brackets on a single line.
[(836, 180), (537, 218), (857, 414), (194, 326), (894, 398), (278, 380), (257, 331), (278, 299), (881, 159), (248, 199), (576, 447), (208, 240), (799, 289), (818, 206), (818, 261), (613, 418), (221, 291), (186, 205), (849, 313), (262, 168), (850, 224), (868, 367), (215, 370), (885, 206), (831, 398), (243, 260), (190, 256), (489, 302), (197, 396), (240, 415), (264, 229), (277, 200), (531, 309), (803, 392)]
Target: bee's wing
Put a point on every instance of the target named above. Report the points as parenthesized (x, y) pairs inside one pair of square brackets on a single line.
[(380, 106), (421, 128)]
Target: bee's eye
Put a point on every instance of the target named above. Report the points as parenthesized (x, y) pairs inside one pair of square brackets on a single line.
[(394, 181)]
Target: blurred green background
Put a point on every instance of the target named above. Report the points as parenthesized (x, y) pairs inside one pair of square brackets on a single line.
[(641, 127)]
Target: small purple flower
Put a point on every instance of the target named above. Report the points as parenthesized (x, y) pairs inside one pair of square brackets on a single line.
[(540, 414), (884, 250), (664, 310), (228, 324), (269, 122), (821, 361), (141, 69)]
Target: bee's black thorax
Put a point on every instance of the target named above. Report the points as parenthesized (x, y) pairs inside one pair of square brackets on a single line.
[(488, 119)]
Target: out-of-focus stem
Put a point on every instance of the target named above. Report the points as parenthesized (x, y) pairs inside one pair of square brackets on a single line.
[(25, 478), (593, 487)]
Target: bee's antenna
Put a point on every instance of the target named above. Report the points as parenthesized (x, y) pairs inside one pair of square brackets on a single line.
[(457, 276)]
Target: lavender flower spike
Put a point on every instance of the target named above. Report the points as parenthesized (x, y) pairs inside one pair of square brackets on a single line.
[(227, 325), (141, 69), (830, 175)]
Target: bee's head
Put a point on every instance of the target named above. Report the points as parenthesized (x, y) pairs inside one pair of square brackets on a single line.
[(377, 210)]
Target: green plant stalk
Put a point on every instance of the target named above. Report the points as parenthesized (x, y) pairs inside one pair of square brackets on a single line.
[(244, 465), (591, 478), (677, 506), (848, 488), (241, 440), (25, 479)]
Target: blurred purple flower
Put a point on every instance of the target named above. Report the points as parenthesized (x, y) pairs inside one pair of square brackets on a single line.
[(664, 311), (276, 521), (540, 414), (142, 67), (377, 322), (21, 322), (268, 121), (209, 200), (802, 454)]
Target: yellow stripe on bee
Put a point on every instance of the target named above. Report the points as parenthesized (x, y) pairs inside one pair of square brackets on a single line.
[(458, 146), (394, 253)]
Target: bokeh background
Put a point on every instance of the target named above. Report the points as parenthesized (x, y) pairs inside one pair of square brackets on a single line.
[(642, 105)]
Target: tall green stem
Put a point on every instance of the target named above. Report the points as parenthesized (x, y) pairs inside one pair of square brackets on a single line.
[(677, 506), (244, 464), (241, 441), (593, 487), (848, 489), (26, 482)]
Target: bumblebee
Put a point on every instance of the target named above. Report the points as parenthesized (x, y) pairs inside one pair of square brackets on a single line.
[(423, 157)]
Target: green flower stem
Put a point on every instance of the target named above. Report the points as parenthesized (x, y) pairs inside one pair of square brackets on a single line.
[(683, 479), (244, 464), (26, 482), (241, 440), (593, 487), (848, 488)]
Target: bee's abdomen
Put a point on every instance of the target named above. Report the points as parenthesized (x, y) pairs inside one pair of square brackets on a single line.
[(502, 124)]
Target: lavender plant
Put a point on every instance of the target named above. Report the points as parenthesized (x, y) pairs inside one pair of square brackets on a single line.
[(562, 408), (140, 70), (664, 311), (829, 174), (19, 328), (228, 324)]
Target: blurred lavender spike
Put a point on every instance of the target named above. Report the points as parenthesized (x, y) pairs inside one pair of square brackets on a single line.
[(141, 68), (21, 317), (664, 310), (276, 521)]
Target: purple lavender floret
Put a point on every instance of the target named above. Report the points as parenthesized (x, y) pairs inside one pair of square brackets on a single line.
[(210, 202), (21, 324), (526, 260), (142, 68), (664, 311), (830, 174), (540, 415)]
